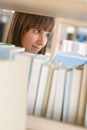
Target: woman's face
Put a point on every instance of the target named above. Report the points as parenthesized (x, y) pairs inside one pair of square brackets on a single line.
[(34, 40)]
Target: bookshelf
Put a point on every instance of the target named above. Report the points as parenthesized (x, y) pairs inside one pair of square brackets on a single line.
[(69, 9), (38, 123), (60, 8)]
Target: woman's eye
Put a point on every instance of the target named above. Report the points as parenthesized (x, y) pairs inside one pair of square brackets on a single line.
[(36, 30), (48, 35)]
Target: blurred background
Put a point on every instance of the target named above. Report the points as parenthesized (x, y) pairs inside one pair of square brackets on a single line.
[(72, 29)]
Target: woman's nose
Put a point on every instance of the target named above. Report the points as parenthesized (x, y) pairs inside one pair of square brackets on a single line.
[(42, 39)]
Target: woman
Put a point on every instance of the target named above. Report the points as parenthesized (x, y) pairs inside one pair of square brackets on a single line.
[(30, 31)]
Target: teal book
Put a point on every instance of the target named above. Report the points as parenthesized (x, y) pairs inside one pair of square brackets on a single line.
[(9, 51), (5, 49), (69, 59)]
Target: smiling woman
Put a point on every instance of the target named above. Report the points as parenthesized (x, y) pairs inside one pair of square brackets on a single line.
[(30, 31)]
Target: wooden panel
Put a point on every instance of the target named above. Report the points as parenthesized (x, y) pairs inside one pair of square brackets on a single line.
[(38, 123), (74, 9)]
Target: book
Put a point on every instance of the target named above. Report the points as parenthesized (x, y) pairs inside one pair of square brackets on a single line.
[(74, 47), (69, 59), (67, 93), (83, 96), (13, 87), (9, 52), (74, 95), (43, 77), (85, 118), (68, 46), (50, 105), (52, 67), (59, 93), (33, 83), (28, 57), (82, 49), (15, 51)]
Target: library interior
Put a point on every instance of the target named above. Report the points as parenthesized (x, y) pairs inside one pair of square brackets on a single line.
[(45, 92)]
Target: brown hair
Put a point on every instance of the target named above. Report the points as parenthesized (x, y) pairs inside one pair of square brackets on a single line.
[(23, 22)]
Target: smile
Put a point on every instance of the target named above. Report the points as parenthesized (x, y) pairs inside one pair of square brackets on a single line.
[(36, 47)]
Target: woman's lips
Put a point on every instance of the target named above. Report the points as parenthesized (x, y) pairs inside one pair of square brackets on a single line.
[(36, 47)]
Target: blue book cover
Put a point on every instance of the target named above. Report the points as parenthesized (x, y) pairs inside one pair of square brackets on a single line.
[(9, 52), (68, 59)]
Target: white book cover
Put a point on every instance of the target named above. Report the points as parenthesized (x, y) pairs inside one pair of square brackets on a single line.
[(13, 87), (22, 57), (34, 78), (74, 97), (82, 49), (29, 56), (58, 99), (41, 88), (50, 105), (52, 67), (67, 93)]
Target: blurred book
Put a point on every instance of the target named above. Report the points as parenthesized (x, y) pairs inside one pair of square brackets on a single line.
[(74, 95), (37, 61), (13, 87), (74, 47), (67, 93), (69, 59), (43, 79), (7, 51), (59, 93), (83, 96)]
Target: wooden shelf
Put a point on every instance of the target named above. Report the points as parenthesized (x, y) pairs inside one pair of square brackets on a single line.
[(38, 123), (73, 9)]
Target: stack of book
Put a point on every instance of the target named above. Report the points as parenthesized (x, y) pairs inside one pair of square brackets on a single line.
[(74, 47), (55, 89)]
